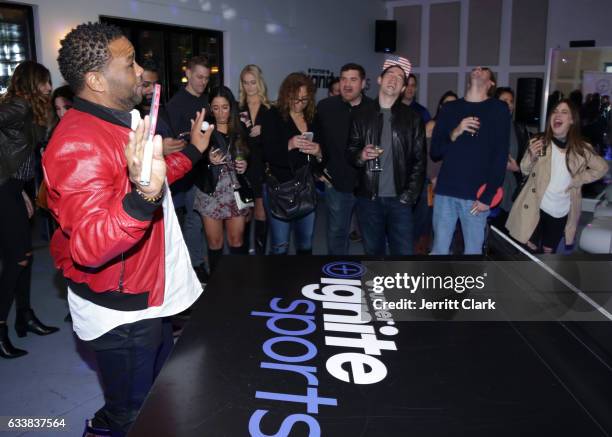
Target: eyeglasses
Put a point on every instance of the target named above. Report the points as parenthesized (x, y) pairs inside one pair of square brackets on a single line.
[(302, 100)]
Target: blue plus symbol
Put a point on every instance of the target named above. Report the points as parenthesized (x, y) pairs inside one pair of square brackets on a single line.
[(344, 270)]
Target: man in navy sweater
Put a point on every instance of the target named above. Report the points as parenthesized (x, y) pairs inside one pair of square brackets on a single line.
[(471, 138)]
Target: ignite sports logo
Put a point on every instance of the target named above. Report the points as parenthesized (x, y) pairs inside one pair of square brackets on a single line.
[(349, 334)]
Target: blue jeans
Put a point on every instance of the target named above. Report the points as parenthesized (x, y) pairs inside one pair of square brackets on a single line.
[(382, 220), (339, 210), (446, 212), (280, 231), (193, 232)]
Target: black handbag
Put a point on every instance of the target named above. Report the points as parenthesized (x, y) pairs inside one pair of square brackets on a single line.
[(294, 198), (243, 192)]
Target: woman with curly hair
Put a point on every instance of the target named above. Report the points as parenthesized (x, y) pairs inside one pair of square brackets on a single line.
[(24, 115), (557, 165), (254, 104), (286, 149)]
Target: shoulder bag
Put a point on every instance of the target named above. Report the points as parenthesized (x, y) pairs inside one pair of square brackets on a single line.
[(294, 198)]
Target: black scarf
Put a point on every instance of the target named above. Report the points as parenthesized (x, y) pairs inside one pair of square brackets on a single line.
[(561, 144)]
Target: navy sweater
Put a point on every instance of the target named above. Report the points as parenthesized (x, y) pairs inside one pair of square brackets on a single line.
[(471, 161)]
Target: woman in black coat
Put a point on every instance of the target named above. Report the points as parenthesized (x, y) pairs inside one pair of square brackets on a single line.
[(24, 115), (289, 140)]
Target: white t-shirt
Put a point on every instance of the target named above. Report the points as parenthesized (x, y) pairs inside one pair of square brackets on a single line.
[(556, 201), (181, 290)]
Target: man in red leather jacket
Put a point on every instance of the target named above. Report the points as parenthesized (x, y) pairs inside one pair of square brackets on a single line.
[(117, 237)]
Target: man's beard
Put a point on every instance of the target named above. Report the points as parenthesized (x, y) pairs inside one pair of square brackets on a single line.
[(130, 102), (126, 101)]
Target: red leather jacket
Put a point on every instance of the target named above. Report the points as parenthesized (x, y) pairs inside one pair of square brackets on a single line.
[(109, 238)]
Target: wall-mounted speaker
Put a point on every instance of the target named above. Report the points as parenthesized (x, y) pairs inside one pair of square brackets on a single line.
[(386, 33), (528, 100), (582, 43)]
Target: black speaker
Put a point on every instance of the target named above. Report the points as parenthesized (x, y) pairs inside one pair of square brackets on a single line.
[(582, 43), (528, 100), (386, 31)]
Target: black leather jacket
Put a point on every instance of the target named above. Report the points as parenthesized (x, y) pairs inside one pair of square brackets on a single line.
[(408, 148), (16, 135)]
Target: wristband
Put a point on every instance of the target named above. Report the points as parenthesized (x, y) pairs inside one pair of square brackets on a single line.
[(151, 199)]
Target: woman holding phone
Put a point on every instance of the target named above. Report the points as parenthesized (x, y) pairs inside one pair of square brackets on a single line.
[(217, 178), (289, 142), (254, 104), (557, 165)]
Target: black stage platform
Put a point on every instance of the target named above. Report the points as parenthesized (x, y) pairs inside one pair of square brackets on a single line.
[(247, 364)]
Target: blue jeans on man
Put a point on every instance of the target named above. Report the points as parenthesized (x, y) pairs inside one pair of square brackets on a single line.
[(339, 211), (447, 210), (385, 220)]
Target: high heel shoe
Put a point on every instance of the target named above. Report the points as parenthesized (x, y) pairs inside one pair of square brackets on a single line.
[(7, 350), (27, 321)]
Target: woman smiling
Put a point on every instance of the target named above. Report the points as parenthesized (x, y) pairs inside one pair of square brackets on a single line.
[(557, 165)]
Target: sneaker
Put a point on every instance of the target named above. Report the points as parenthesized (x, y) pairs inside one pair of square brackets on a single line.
[(202, 274)]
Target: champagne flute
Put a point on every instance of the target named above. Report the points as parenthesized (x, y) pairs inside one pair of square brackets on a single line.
[(377, 164)]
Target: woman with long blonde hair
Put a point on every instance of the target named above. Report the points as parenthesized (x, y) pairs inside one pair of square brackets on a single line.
[(254, 105), (24, 115)]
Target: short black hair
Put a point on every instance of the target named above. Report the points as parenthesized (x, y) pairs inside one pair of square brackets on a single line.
[(150, 65), (412, 76), (353, 66), (65, 92), (85, 49), (332, 82), (502, 90)]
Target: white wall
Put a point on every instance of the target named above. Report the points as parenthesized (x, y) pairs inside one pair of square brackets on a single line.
[(571, 20), (568, 20), (503, 69), (279, 35)]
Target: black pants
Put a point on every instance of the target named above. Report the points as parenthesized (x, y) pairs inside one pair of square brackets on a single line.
[(15, 242), (549, 232), (126, 359)]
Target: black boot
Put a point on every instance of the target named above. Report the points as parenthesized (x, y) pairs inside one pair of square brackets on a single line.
[(261, 236), (213, 259), (26, 321), (201, 273), (242, 250), (7, 350), (246, 238)]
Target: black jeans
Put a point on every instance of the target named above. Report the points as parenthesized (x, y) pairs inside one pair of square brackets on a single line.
[(549, 232), (15, 242), (126, 359)]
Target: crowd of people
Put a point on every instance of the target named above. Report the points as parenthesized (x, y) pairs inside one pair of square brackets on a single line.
[(252, 170)]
